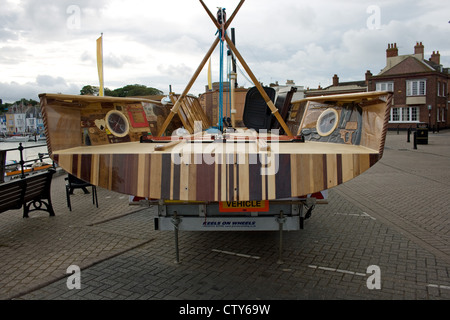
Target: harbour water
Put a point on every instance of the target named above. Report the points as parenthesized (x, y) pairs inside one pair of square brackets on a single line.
[(28, 154)]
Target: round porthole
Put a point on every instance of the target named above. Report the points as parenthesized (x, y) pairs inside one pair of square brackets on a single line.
[(327, 122), (117, 123)]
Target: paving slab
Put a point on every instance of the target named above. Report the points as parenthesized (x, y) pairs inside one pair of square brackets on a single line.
[(394, 218)]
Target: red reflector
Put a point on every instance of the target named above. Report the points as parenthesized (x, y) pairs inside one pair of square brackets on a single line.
[(317, 195)]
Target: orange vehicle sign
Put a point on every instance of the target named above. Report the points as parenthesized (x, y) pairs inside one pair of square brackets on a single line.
[(244, 206)]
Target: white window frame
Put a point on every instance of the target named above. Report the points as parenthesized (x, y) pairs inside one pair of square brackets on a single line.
[(403, 113), (440, 114), (416, 87), (385, 86)]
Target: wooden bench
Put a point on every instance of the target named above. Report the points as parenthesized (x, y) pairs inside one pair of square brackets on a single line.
[(32, 193)]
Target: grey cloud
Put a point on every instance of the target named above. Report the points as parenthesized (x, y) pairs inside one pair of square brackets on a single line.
[(13, 91), (180, 70), (12, 54), (48, 19), (49, 81)]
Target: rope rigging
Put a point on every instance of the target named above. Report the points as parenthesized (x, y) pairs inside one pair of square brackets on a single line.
[(221, 19), (224, 116)]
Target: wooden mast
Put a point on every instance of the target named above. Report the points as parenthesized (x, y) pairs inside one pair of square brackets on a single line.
[(175, 108)]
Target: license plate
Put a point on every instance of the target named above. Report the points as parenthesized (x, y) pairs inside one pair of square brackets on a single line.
[(244, 206)]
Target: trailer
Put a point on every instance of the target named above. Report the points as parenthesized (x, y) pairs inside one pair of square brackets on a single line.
[(265, 215)]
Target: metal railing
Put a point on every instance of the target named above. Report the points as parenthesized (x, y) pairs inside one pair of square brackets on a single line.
[(22, 162)]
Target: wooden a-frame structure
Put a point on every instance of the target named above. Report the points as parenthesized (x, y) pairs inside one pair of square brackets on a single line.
[(232, 47)]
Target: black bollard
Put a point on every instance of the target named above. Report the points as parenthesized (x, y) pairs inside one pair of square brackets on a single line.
[(409, 133)]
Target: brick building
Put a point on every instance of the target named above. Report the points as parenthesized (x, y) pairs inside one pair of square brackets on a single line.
[(420, 88)]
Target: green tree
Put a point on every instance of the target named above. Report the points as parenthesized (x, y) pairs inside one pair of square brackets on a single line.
[(4, 107), (87, 90), (26, 102), (133, 90)]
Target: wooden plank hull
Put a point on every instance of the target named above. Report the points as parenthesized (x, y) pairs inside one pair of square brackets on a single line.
[(232, 170), (217, 176)]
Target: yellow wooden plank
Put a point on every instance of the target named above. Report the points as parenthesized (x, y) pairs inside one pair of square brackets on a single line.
[(155, 176), (331, 171), (347, 167), (141, 177)]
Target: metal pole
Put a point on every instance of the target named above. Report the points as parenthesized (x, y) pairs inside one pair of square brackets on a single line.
[(233, 105), (21, 160), (281, 220), (233, 39), (176, 222)]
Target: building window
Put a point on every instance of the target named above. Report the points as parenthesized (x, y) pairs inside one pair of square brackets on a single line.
[(404, 114), (395, 115), (414, 114), (441, 89), (440, 115), (385, 86), (416, 87)]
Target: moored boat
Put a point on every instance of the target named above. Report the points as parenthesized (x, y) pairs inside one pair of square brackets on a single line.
[(17, 138)]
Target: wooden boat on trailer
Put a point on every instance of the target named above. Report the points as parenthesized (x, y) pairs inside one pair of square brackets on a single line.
[(132, 145)]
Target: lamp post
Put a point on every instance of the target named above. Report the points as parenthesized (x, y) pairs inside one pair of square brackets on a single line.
[(429, 116)]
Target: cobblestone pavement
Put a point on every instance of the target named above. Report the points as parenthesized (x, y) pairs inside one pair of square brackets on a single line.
[(394, 217)]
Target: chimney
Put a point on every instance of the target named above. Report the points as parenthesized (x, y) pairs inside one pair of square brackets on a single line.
[(335, 80), (368, 76), (418, 49), (436, 58), (392, 50), (290, 83)]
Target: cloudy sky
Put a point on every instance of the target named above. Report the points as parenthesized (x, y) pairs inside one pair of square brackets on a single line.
[(50, 45)]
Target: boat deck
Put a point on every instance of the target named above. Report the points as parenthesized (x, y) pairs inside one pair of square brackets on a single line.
[(308, 147)]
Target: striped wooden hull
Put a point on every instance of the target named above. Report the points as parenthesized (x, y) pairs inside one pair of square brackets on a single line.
[(234, 177)]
